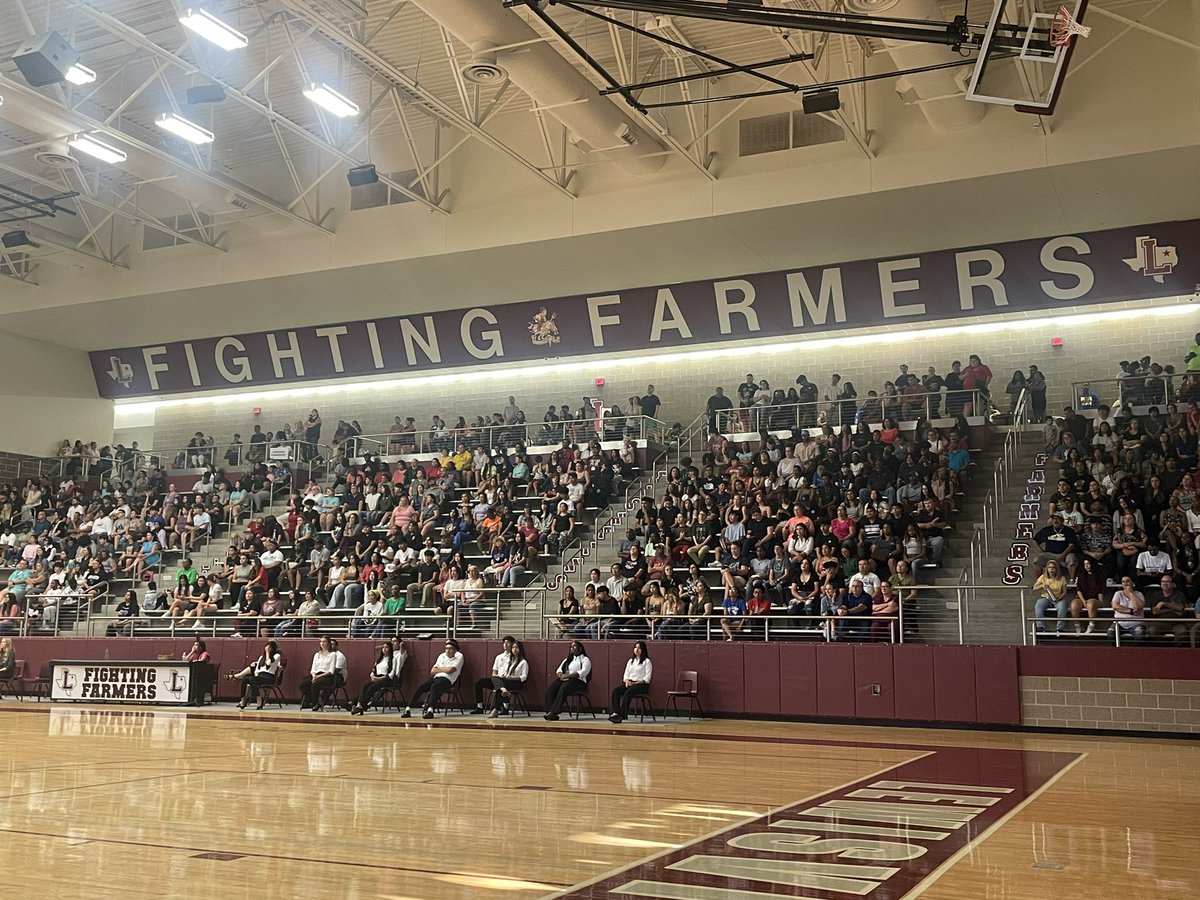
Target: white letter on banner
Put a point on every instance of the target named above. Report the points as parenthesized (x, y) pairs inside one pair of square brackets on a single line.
[(291, 351), (1081, 271), (242, 372), (743, 306), (989, 279), (889, 288), (428, 341), (193, 369), (800, 298), (495, 346), (598, 321), (665, 304), (373, 338), (152, 367), (335, 349)]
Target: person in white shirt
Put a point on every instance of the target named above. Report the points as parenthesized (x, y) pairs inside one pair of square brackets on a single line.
[(323, 676), (366, 618), (263, 671), (442, 677), (571, 678), (272, 561), (509, 673), (380, 678), (870, 581), (634, 683)]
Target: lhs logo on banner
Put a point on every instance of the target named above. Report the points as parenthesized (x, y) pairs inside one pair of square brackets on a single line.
[(1152, 260)]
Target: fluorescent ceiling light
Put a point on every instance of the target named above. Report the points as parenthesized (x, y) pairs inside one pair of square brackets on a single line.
[(181, 127), (93, 146), (331, 101), (80, 74), (212, 29)]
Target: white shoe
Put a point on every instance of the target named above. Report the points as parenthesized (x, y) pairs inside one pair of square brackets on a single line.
[(197, 626), (1091, 629)]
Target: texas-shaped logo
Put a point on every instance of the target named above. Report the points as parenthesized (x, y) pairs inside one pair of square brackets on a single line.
[(1152, 260)]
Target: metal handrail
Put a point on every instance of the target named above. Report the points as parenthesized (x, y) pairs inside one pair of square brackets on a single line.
[(214, 624), (528, 434), (792, 416), (1113, 628), (81, 598), (770, 621), (1132, 390)]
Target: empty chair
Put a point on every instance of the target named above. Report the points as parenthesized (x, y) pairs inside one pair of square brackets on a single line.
[(687, 688)]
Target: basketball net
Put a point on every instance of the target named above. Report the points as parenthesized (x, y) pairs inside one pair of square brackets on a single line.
[(1064, 27)]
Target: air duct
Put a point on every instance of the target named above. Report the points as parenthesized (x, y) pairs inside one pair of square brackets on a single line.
[(939, 95), (553, 83)]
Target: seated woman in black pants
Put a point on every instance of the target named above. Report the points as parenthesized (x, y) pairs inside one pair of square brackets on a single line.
[(442, 676), (571, 678), (325, 676), (634, 683), (263, 671), (380, 677)]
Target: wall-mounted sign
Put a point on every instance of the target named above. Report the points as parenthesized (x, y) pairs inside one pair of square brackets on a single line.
[(1135, 263)]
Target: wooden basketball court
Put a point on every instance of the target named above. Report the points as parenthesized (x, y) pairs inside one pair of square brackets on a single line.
[(105, 801)]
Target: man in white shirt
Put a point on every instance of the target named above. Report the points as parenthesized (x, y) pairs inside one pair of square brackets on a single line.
[(442, 677), (1152, 564), (870, 581)]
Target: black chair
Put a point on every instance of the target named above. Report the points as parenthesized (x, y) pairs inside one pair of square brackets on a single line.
[(641, 704), (392, 695), (687, 688), (516, 701), (577, 704), (455, 694), (13, 682), (273, 693), (344, 695)]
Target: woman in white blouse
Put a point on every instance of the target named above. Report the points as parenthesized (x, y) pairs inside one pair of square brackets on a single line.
[(634, 683), (380, 677), (572, 677), (324, 677), (265, 670)]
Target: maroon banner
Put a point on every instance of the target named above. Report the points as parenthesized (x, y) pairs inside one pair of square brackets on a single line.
[(1134, 263)]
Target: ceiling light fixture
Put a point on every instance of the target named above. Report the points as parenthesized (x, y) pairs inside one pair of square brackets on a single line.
[(331, 101), (80, 74), (181, 127), (212, 29), (93, 146)]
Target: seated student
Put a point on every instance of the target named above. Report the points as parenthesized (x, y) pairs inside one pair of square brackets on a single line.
[(379, 678), (1129, 609), (635, 682), (126, 612), (571, 677), (510, 672), (499, 671), (325, 676), (263, 671), (856, 605), (443, 675)]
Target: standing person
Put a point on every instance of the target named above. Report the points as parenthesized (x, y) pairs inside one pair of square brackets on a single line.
[(634, 683), (650, 403), (312, 435), (571, 678), (322, 677), (443, 675), (1036, 383), (746, 391), (832, 395), (978, 377), (262, 672), (380, 678), (717, 407), (1015, 386)]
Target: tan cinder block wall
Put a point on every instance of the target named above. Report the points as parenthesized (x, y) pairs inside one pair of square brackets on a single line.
[(1091, 351), (1121, 704)]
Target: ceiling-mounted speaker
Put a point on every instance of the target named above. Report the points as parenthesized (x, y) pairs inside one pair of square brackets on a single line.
[(205, 93), (45, 58), (361, 175), (825, 100)]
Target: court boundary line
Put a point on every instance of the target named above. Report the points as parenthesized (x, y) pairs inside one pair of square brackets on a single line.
[(945, 868)]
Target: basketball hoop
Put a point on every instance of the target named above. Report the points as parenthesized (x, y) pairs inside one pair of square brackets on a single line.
[(1064, 27)]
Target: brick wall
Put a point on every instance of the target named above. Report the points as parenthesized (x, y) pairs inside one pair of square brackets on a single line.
[(1091, 351), (1121, 704)]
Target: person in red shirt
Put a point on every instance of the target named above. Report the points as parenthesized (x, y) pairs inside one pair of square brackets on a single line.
[(976, 377)]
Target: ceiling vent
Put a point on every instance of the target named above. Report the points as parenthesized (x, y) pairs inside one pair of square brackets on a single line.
[(785, 131), (376, 194), (54, 159), (483, 69)]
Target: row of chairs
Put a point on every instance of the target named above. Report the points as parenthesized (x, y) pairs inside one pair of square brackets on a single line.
[(687, 688)]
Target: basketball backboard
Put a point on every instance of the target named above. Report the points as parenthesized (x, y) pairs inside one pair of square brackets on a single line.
[(1018, 66)]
